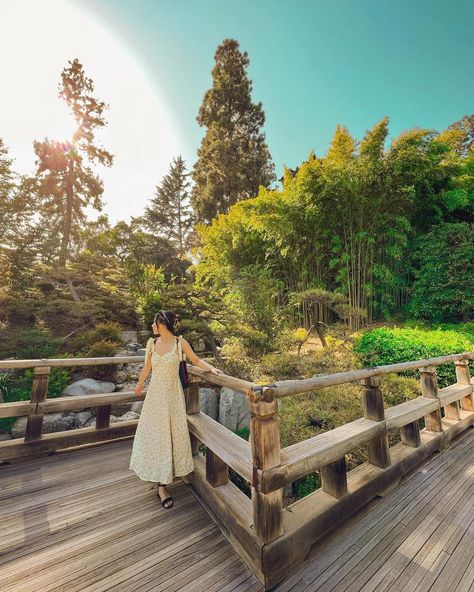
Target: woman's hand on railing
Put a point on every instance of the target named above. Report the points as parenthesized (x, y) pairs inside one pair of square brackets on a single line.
[(138, 390), (216, 370)]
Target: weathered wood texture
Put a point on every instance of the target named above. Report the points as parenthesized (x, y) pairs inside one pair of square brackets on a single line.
[(82, 521), (418, 538)]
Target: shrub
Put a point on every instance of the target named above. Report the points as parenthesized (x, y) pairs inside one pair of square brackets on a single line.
[(102, 349), (108, 331), (443, 289), (27, 343), (389, 346)]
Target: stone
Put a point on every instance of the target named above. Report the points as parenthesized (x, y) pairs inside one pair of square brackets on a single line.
[(129, 416), (137, 406), (83, 417), (209, 399), (121, 408), (234, 410), (88, 386), (5, 437), (52, 422), (129, 336)]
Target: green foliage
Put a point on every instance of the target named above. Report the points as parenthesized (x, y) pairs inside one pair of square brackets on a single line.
[(101, 349), (32, 343), (244, 433), (233, 159), (390, 346), (108, 331), (17, 387), (169, 213), (282, 365), (307, 485), (443, 289), (343, 224), (253, 300)]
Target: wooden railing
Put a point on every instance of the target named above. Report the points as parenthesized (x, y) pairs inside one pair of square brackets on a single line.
[(271, 539)]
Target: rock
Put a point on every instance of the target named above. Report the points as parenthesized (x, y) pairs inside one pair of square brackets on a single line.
[(89, 386), (141, 351), (132, 348), (5, 437), (129, 416), (129, 336), (52, 422), (126, 386), (209, 402), (137, 407), (121, 408), (234, 410), (121, 376), (82, 417)]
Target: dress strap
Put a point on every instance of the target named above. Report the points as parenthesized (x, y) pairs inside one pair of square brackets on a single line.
[(180, 349)]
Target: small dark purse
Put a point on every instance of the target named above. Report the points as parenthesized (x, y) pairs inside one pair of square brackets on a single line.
[(183, 371)]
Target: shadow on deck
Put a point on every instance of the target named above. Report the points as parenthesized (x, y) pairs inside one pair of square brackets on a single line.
[(80, 520)]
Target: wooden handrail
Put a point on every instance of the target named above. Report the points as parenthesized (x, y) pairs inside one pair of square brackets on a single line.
[(276, 533), (283, 388)]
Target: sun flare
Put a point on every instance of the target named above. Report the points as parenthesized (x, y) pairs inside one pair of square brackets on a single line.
[(39, 40)]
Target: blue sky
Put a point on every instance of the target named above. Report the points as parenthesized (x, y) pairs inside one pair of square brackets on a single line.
[(313, 64)]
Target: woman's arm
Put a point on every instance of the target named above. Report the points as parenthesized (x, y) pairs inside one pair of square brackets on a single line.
[(194, 359), (143, 374)]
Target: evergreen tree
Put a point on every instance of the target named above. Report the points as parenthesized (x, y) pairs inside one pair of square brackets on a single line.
[(169, 213), (233, 159), (65, 174), (6, 187)]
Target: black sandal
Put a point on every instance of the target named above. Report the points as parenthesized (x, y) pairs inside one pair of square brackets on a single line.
[(167, 499)]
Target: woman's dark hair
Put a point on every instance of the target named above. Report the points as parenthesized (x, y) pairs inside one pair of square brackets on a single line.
[(168, 318)]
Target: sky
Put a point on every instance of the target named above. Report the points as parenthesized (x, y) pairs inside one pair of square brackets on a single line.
[(313, 64)]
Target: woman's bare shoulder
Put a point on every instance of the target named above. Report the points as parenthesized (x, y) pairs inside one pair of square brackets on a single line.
[(184, 342)]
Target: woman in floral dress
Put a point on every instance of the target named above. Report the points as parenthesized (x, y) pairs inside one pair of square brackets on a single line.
[(162, 445)]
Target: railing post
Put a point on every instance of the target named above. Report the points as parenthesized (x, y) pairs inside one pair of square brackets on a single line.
[(193, 405), (378, 451), (429, 389), (410, 434), (102, 416), (334, 478), (265, 446), (463, 376), (39, 393)]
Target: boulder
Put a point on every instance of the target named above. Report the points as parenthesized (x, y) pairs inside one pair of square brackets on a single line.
[(121, 408), (234, 410), (52, 422), (137, 407), (129, 336), (209, 402), (88, 386), (129, 416), (82, 417)]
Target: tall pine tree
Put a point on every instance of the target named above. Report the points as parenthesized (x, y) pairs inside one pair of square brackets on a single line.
[(233, 159), (169, 213), (65, 174)]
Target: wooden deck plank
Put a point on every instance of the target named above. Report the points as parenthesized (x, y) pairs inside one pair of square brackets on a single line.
[(364, 547), (58, 535)]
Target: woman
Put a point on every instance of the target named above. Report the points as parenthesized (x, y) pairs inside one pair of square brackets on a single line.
[(162, 446)]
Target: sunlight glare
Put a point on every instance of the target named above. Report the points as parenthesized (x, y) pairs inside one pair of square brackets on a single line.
[(36, 41)]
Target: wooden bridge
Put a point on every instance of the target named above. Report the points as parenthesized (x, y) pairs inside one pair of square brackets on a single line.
[(74, 517)]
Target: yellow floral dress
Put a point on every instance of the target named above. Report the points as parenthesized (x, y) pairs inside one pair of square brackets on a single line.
[(162, 445)]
